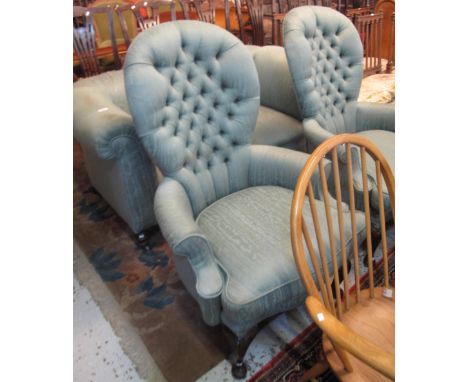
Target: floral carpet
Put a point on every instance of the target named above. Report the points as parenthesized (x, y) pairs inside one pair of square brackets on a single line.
[(144, 282)]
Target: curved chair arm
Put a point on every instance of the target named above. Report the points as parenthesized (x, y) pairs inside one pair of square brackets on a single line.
[(175, 217), (275, 166), (375, 116), (314, 133), (350, 341), (98, 122)]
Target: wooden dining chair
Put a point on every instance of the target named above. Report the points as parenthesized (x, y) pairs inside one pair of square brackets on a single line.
[(352, 13), (206, 10), (239, 31), (358, 325), (84, 40), (147, 13), (369, 27)]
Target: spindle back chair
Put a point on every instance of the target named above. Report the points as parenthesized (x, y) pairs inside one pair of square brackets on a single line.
[(329, 300), (84, 38), (370, 29)]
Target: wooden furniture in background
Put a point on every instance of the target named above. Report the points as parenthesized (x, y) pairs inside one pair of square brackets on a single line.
[(146, 13), (206, 10), (84, 40), (256, 17), (352, 13), (358, 332), (370, 29), (388, 31)]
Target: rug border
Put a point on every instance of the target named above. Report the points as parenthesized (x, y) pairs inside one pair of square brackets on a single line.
[(130, 340)]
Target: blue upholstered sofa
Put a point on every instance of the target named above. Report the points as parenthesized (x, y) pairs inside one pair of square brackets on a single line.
[(116, 162)]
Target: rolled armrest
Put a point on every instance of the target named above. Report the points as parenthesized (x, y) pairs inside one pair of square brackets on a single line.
[(175, 217), (314, 133), (375, 116), (98, 122), (350, 341), (275, 166)]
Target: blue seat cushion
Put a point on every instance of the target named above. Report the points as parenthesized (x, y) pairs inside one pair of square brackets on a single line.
[(250, 234), (277, 129)]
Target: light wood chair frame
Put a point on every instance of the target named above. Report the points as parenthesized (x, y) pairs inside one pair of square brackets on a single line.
[(324, 309)]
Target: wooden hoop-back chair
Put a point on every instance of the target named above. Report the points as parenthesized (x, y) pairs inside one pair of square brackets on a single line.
[(370, 30), (84, 38), (358, 332), (147, 14)]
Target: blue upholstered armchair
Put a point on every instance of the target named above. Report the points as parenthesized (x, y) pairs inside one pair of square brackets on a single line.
[(325, 58), (224, 204)]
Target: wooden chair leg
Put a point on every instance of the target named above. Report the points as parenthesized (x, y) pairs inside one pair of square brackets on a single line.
[(239, 369)]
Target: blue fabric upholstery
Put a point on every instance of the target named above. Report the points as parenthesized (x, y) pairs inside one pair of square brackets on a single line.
[(250, 235), (118, 166), (193, 92), (325, 54), (104, 128), (200, 110)]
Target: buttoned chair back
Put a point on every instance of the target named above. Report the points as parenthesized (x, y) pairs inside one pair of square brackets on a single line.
[(325, 58), (194, 95), (325, 61), (367, 333)]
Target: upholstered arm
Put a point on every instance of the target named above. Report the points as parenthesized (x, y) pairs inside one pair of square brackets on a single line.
[(375, 116), (98, 122), (175, 217), (314, 133), (276, 166)]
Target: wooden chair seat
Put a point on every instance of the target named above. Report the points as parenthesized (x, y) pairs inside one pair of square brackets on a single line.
[(373, 319)]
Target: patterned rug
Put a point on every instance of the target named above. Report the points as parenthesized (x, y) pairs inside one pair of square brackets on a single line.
[(145, 283), (304, 351)]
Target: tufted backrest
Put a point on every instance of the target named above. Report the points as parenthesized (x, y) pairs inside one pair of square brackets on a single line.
[(325, 55), (193, 92)]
